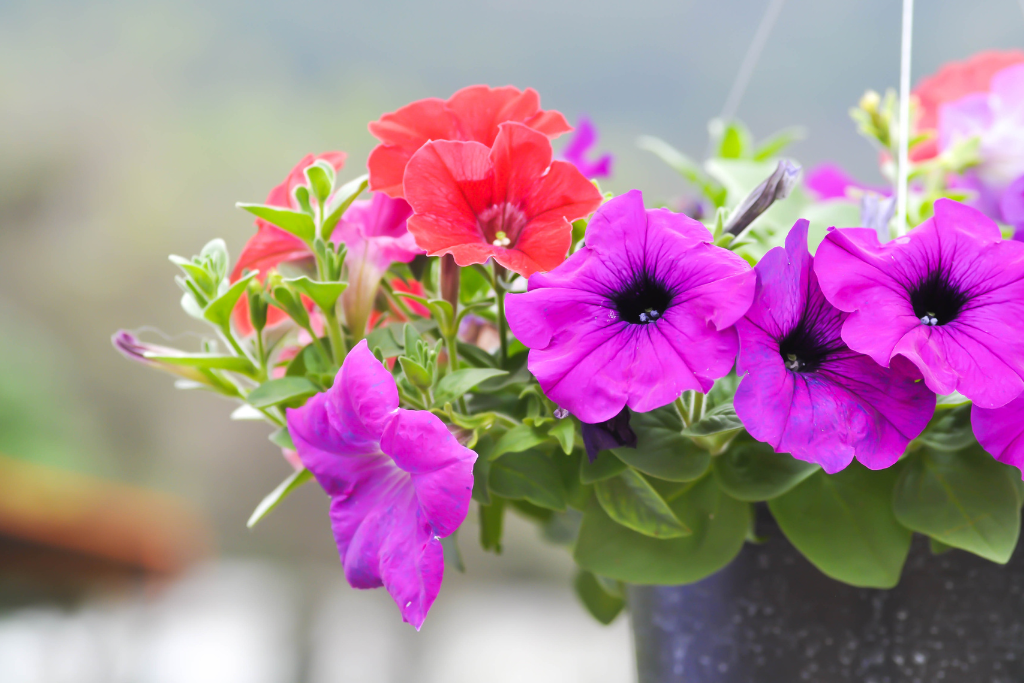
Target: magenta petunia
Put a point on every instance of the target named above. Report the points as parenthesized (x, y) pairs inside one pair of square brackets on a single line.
[(398, 481), (580, 144), (1000, 431), (639, 315), (949, 296), (804, 391)]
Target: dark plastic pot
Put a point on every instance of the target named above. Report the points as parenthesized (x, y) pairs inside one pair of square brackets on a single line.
[(772, 617)]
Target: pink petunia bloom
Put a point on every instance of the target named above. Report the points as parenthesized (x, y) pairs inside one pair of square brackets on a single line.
[(830, 181), (398, 481), (804, 391), (576, 152), (472, 114), (948, 296), (375, 233), (639, 315), (509, 202), (1000, 431)]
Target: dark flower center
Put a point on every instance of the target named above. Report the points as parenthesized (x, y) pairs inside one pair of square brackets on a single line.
[(501, 224), (643, 300), (937, 300), (814, 340)]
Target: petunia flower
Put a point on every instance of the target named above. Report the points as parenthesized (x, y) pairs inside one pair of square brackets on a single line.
[(375, 233), (580, 144), (643, 312), (948, 296), (510, 201), (397, 479), (996, 118), (804, 391), (1000, 431), (471, 114), (952, 82), (271, 245)]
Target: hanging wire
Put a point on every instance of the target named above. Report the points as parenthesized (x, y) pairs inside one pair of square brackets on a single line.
[(904, 141), (739, 86)]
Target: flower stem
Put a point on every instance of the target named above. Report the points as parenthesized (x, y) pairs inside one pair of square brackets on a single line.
[(681, 407), (337, 338), (696, 407), (499, 294), (261, 351)]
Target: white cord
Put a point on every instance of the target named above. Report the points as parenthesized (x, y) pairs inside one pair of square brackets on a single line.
[(739, 86), (904, 141)]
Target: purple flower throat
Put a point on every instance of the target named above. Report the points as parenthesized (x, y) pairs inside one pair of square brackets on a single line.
[(937, 299), (642, 299), (815, 339)]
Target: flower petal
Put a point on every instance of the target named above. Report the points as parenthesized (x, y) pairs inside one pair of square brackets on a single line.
[(1000, 431)]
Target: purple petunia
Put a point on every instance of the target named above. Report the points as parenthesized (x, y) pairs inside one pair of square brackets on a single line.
[(805, 392), (398, 481), (1000, 431), (639, 315), (949, 296), (582, 140)]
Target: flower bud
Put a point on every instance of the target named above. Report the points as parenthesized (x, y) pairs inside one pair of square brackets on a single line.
[(870, 101), (131, 348), (777, 186)]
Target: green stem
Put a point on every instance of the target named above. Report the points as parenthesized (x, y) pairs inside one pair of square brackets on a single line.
[(337, 338), (262, 353), (499, 293), (230, 337), (696, 407), (399, 301), (684, 411)]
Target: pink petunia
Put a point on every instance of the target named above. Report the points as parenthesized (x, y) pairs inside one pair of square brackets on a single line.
[(398, 481)]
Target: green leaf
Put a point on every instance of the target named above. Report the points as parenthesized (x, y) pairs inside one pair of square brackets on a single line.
[(282, 439), (474, 355), (519, 438), (218, 311), (679, 162), (416, 373), (753, 471), (456, 384), (719, 524), (309, 361), (382, 338), (949, 430), (340, 202), (321, 179), (295, 222), (283, 490), (324, 294), (482, 470), (528, 476), (605, 465), (953, 400), (661, 450), (452, 554), (777, 142), (736, 141), (291, 391), (564, 431), (632, 502), (602, 606), (938, 547), (844, 524), (721, 418), (207, 361), (964, 499), (492, 522)]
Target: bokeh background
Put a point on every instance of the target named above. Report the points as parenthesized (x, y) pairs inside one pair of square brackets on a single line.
[(128, 130)]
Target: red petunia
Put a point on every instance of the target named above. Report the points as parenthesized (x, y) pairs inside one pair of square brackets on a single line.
[(510, 201), (950, 83), (471, 114), (272, 245)]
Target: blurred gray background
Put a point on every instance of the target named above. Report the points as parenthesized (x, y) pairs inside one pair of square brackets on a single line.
[(128, 130)]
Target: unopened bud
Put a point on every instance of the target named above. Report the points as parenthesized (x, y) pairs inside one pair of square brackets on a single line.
[(870, 101), (777, 186)]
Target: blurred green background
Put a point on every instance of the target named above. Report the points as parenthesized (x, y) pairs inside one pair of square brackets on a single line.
[(128, 130)]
